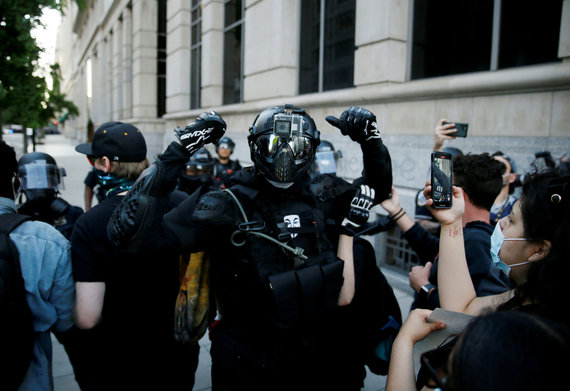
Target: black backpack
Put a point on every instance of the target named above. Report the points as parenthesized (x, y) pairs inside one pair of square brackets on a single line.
[(16, 327)]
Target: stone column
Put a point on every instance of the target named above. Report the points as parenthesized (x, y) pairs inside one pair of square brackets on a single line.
[(381, 38), (564, 43), (212, 53), (127, 64), (97, 85), (117, 70), (178, 56), (109, 73), (145, 24), (271, 54)]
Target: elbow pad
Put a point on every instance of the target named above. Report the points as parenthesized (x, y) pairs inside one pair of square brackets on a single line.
[(138, 212), (147, 200)]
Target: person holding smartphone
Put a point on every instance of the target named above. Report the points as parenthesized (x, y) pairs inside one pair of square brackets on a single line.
[(480, 178)]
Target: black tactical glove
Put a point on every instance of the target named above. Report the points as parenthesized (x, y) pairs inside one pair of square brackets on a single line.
[(359, 211), (357, 123), (209, 127)]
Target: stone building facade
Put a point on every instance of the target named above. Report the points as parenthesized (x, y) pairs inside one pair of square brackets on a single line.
[(502, 66)]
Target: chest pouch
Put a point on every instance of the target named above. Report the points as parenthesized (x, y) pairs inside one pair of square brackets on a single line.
[(311, 284)]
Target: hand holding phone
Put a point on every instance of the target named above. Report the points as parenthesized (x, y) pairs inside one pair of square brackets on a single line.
[(441, 179), (461, 128)]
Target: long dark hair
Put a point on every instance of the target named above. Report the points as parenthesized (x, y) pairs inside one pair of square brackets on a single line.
[(510, 351), (545, 208)]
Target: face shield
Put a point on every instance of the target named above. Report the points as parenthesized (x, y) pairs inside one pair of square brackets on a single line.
[(325, 162), (39, 174)]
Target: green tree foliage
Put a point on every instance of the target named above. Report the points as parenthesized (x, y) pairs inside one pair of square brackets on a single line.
[(24, 96)]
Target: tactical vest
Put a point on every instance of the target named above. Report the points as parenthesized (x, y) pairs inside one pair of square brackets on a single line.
[(297, 285)]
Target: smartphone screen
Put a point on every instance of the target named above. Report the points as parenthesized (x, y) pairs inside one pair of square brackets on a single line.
[(441, 179), (461, 128)]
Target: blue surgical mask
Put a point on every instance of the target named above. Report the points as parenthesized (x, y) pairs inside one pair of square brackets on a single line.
[(497, 239)]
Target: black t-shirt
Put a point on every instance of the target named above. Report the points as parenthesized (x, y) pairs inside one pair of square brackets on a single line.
[(136, 330)]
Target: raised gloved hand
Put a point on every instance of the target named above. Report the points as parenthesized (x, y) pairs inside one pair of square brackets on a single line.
[(359, 210), (357, 123), (209, 127)]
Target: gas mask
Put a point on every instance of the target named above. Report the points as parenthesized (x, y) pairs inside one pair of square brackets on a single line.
[(282, 142)]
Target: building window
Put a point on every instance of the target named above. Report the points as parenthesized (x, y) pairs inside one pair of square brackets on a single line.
[(233, 51), (327, 45), (530, 32), (195, 54), (452, 37), (161, 60)]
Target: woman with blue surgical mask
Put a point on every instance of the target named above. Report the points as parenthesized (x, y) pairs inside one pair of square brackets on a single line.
[(498, 240), (531, 245)]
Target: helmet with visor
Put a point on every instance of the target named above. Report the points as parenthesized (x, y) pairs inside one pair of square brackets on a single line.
[(282, 142)]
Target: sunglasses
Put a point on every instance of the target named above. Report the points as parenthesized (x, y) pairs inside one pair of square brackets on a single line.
[(435, 363), (92, 159)]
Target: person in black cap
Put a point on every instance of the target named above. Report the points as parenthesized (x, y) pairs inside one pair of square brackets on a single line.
[(127, 302)]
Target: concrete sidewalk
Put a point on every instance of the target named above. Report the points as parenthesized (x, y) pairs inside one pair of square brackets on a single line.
[(77, 167)]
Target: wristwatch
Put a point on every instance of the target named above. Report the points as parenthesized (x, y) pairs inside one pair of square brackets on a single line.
[(424, 292)]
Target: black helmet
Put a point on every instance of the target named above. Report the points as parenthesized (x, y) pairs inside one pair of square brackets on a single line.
[(200, 163), (39, 175), (226, 142), (282, 141), (326, 158), (453, 151)]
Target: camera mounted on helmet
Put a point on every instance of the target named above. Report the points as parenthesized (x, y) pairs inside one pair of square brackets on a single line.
[(282, 142)]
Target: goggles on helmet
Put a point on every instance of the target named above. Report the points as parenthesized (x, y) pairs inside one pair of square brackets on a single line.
[(198, 169), (269, 145)]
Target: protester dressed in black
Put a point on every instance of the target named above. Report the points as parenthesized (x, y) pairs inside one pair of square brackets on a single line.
[(279, 315), (126, 301)]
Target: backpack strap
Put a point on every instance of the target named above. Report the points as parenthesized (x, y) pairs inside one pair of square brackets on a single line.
[(9, 221)]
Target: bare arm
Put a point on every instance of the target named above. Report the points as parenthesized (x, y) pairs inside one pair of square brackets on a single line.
[(345, 252), (401, 373), (442, 133), (393, 207), (88, 197), (88, 304), (456, 290)]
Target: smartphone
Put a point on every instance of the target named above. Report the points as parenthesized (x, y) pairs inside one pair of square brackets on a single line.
[(461, 128), (441, 179)]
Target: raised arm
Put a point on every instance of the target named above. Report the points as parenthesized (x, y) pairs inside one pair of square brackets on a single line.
[(422, 242), (456, 290), (361, 126), (358, 214), (141, 210)]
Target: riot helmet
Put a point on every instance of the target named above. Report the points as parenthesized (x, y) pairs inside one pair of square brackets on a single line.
[(197, 171), (40, 177), (326, 158), (226, 143), (282, 142), (200, 163)]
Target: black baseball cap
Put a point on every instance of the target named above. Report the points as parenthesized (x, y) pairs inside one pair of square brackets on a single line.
[(119, 141)]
